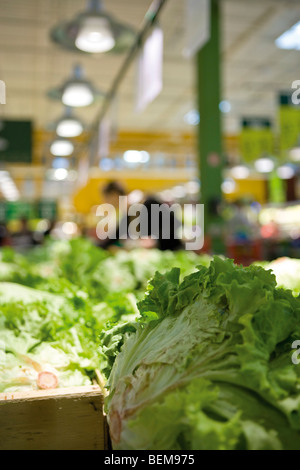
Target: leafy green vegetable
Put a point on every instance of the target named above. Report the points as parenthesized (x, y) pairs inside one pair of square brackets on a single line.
[(19, 369), (63, 294), (207, 365), (64, 267), (70, 323)]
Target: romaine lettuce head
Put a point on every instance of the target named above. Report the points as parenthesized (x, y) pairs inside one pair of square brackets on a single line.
[(208, 365)]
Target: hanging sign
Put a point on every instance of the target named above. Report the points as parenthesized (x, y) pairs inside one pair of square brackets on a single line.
[(256, 138), (47, 209), (198, 28), (289, 122), (16, 141), (19, 209), (150, 70), (104, 138)]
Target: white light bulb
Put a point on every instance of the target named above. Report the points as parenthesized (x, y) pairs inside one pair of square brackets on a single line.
[(77, 95), (60, 174), (95, 36), (133, 156), (69, 128), (62, 148)]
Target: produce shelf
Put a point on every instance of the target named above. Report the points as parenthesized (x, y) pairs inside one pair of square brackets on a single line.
[(60, 419)]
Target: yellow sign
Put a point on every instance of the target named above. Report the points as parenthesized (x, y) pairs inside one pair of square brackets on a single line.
[(256, 141), (289, 121)]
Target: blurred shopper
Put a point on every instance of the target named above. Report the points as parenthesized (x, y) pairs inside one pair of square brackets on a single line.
[(111, 193), (164, 229)]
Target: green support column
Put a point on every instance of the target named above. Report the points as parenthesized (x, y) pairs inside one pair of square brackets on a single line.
[(210, 132)]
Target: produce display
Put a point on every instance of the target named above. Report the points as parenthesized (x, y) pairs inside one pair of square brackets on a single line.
[(63, 267), (196, 351), (41, 332), (55, 302)]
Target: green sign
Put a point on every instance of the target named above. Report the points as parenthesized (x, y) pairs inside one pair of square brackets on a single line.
[(18, 210), (16, 141), (256, 139), (47, 209)]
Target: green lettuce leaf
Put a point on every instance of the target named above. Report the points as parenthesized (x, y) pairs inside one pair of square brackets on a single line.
[(226, 325)]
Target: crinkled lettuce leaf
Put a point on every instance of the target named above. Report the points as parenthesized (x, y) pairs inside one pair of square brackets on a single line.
[(226, 329)]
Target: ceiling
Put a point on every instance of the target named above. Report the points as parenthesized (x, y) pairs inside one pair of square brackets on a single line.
[(254, 70)]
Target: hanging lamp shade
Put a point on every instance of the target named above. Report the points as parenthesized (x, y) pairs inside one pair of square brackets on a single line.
[(69, 126), (61, 148), (93, 31), (77, 92)]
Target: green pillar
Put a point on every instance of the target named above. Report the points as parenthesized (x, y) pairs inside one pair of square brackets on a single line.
[(210, 132)]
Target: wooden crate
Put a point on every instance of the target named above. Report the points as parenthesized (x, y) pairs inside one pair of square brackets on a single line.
[(60, 419)]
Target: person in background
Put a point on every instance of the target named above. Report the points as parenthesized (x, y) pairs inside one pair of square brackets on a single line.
[(163, 242), (111, 194)]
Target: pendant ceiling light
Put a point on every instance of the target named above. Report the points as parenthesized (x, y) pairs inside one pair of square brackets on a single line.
[(77, 92), (61, 148), (93, 31), (68, 126), (95, 35)]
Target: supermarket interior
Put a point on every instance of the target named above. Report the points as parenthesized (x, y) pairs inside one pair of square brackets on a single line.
[(183, 332)]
